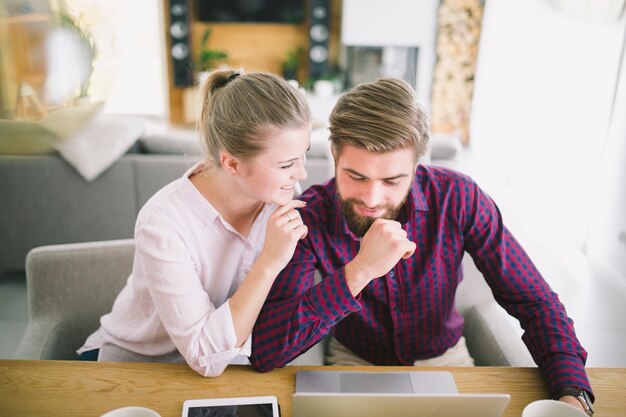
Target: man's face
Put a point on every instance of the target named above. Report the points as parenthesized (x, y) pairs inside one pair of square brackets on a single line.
[(372, 185)]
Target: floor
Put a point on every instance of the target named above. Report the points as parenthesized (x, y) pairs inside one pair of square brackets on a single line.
[(594, 298), (13, 314)]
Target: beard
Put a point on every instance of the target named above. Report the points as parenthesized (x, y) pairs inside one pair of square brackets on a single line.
[(358, 224)]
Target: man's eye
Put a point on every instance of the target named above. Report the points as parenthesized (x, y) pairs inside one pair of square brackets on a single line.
[(392, 182), (358, 179)]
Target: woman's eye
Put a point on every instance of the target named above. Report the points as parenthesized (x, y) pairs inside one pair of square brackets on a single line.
[(288, 166)]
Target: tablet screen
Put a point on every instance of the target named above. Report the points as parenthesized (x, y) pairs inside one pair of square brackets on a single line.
[(245, 410), (266, 406)]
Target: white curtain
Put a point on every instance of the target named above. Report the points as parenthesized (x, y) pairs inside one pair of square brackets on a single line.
[(544, 90), (606, 243)]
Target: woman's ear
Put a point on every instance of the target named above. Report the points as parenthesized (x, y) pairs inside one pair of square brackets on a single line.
[(229, 163)]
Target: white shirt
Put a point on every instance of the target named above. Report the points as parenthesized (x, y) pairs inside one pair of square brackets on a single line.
[(188, 263)]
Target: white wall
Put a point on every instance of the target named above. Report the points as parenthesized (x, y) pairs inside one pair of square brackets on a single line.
[(545, 83), (404, 23)]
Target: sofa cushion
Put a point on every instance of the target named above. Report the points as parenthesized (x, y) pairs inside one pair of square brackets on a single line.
[(49, 203), (152, 172), (25, 138), (18, 137), (172, 141)]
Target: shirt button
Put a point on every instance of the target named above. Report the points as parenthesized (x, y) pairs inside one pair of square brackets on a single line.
[(246, 270), (391, 274)]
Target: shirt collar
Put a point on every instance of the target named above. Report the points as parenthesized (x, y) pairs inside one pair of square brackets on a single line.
[(204, 210), (193, 198)]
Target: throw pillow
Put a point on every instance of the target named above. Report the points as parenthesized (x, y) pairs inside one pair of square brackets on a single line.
[(25, 138), (99, 143), (66, 121)]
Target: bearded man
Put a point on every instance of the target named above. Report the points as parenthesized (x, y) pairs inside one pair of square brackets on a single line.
[(388, 236)]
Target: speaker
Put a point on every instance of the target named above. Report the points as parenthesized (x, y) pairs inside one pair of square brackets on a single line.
[(180, 49), (318, 38)]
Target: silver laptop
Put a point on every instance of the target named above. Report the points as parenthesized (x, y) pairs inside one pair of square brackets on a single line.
[(380, 394)]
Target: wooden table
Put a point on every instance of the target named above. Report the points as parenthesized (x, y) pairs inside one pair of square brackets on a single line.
[(72, 388)]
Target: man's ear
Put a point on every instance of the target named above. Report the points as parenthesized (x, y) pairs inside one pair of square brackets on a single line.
[(229, 163)]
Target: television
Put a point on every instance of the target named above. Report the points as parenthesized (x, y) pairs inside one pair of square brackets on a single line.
[(251, 11)]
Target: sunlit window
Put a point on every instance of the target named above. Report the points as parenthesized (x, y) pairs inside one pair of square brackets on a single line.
[(129, 67)]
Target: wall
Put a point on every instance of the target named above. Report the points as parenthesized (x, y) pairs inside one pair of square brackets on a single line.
[(396, 23)]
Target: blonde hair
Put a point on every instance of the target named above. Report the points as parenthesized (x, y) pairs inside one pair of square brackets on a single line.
[(238, 111), (381, 116)]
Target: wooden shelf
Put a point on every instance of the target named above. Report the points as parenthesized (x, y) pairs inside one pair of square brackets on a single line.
[(23, 38)]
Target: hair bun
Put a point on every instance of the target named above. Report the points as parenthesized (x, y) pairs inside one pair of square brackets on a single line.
[(220, 79), (232, 76)]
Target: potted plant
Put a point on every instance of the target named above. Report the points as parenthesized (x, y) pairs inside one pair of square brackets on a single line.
[(326, 84), (208, 58), (290, 64)]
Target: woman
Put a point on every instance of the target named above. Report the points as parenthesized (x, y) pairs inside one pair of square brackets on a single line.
[(210, 244)]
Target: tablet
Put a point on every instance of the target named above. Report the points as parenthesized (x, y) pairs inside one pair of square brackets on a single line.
[(232, 407)]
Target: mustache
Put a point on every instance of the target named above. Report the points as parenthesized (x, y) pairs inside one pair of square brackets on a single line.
[(358, 224), (361, 203)]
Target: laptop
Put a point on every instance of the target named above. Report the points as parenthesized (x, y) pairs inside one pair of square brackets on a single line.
[(381, 394)]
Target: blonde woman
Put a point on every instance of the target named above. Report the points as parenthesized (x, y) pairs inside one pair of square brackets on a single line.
[(210, 244)]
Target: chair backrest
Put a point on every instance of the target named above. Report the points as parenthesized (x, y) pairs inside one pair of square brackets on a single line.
[(69, 288), (493, 337)]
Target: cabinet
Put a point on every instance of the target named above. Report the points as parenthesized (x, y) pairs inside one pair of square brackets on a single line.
[(251, 46)]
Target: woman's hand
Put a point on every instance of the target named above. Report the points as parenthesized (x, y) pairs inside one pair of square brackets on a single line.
[(284, 229)]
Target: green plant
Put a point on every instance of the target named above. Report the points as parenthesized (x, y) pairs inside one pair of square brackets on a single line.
[(208, 58), (290, 64)]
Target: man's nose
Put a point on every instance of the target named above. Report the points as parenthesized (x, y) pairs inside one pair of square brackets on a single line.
[(372, 195)]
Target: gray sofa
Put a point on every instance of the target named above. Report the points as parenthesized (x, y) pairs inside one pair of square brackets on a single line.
[(44, 201), (71, 286)]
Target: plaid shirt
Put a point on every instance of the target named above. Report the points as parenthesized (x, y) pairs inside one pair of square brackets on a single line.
[(409, 313)]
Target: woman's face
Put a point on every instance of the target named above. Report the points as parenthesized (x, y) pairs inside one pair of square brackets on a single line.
[(272, 175)]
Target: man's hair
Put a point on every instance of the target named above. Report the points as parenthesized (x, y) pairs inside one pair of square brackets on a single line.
[(381, 116)]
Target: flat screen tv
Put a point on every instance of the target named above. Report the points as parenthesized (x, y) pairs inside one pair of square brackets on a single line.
[(252, 11)]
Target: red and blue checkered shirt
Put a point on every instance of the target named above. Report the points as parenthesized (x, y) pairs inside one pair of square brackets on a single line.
[(409, 313)]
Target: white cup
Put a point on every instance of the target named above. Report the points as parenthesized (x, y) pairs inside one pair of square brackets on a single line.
[(551, 408), (131, 412)]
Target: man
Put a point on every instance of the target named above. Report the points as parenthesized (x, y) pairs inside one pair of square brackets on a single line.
[(388, 236)]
